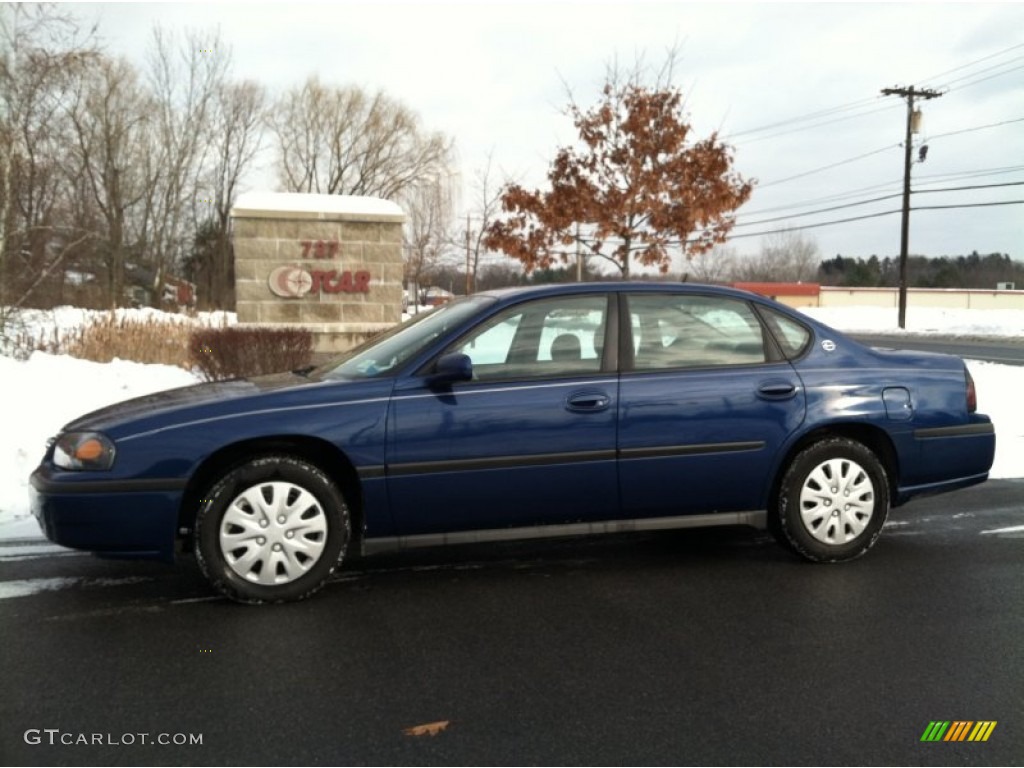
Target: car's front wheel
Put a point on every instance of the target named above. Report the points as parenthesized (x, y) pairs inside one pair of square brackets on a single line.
[(832, 501), (271, 530)]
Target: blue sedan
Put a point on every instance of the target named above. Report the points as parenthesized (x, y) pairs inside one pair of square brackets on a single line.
[(552, 411)]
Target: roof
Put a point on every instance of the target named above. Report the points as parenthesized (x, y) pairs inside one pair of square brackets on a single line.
[(555, 289)]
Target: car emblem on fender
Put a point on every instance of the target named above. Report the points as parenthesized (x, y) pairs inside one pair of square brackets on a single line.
[(828, 345)]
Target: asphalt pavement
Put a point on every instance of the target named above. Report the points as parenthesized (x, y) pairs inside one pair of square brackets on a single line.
[(711, 647)]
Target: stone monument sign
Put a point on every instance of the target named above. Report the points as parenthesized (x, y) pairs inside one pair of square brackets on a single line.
[(330, 263)]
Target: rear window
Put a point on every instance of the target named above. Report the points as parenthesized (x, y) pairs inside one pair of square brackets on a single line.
[(793, 337)]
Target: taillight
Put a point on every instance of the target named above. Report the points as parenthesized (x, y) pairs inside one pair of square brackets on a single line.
[(972, 393)]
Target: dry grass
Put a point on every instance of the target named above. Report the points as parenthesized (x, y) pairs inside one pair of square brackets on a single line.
[(185, 341), (108, 337), (146, 341)]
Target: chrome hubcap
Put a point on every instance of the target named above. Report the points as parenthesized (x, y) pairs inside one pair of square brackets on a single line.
[(273, 533), (837, 501)]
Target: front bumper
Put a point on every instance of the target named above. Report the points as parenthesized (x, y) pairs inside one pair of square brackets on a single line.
[(112, 518)]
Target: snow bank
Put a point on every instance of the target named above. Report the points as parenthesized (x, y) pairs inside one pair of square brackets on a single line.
[(45, 392)]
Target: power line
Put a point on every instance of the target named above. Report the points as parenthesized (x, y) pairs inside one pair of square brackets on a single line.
[(804, 117), (983, 79), (976, 128), (819, 210), (886, 108), (827, 167), (875, 200), (818, 200), (938, 178), (815, 226), (859, 157), (973, 186), (982, 71), (968, 205), (859, 105), (976, 173), (868, 216), (972, 63)]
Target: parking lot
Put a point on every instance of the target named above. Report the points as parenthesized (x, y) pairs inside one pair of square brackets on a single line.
[(694, 647)]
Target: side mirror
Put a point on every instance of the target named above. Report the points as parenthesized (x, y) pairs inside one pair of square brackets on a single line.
[(450, 368)]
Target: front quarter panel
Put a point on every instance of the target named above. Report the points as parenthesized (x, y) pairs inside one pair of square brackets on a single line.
[(133, 509)]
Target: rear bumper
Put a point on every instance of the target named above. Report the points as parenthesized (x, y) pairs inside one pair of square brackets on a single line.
[(906, 493), (948, 458), (129, 519)]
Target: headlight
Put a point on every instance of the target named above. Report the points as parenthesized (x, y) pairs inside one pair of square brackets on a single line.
[(83, 450)]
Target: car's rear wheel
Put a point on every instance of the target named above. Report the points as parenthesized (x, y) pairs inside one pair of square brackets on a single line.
[(832, 501), (271, 530)]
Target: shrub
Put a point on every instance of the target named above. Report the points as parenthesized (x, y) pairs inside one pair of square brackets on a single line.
[(225, 353)]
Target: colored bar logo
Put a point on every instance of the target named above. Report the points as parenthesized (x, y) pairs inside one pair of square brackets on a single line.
[(958, 730)]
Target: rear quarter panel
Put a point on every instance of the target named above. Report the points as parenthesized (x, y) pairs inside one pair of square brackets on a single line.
[(933, 440)]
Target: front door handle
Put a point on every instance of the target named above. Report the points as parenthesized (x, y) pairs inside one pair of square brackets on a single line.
[(587, 402)]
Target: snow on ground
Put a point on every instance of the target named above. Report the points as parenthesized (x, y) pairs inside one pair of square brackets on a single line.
[(960, 323), (43, 393), (998, 387)]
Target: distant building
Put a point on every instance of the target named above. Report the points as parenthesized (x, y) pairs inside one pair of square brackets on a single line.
[(794, 295)]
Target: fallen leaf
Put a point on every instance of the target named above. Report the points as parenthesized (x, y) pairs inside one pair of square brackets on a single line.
[(427, 729)]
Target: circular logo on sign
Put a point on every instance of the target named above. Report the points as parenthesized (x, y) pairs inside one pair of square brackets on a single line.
[(290, 282), (828, 345)]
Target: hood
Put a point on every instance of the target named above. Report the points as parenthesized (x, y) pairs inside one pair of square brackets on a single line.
[(172, 400)]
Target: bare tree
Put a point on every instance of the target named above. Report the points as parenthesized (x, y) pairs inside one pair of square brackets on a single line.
[(428, 208), (797, 251), (109, 116), (41, 50), (485, 207), (714, 266), (343, 141), (787, 255), (185, 78), (499, 275), (235, 136)]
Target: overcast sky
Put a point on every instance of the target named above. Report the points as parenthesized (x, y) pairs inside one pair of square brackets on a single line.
[(494, 76)]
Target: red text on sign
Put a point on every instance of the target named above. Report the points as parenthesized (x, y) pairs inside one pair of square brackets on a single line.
[(333, 281), (320, 249)]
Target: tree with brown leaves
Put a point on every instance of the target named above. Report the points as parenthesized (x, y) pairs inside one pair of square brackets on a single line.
[(637, 190)]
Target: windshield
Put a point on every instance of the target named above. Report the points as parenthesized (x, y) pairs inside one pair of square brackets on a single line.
[(384, 354)]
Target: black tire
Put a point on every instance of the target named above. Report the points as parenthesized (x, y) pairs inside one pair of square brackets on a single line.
[(253, 557), (832, 501)]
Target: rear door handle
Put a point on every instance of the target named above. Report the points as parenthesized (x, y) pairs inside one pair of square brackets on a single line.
[(778, 389), (587, 402)]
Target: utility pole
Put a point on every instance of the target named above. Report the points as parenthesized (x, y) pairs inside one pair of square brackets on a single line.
[(467, 255), (579, 256), (909, 94)]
